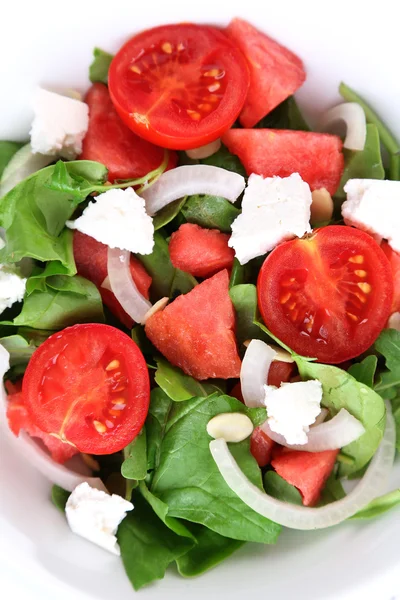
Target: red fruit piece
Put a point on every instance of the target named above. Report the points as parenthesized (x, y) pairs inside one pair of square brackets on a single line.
[(275, 72), (110, 142), (261, 447), (308, 471), (200, 252), (91, 263), (394, 259), (19, 418), (196, 331), (317, 157)]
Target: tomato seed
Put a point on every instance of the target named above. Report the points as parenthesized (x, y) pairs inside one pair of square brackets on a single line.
[(114, 364), (358, 259), (100, 427)]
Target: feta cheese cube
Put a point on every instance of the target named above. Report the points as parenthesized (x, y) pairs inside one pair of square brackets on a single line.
[(12, 286), (374, 206), (292, 408), (59, 125), (274, 209), (118, 218), (95, 515)]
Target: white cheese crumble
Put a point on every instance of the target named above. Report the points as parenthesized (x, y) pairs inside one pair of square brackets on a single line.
[(118, 218), (95, 515), (59, 125), (274, 209), (12, 287), (292, 408), (374, 206)]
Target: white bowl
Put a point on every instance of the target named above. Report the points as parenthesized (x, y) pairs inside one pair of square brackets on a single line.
[(51, 43)]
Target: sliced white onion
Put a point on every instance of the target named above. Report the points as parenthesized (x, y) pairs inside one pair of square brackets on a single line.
[(123, 287), (303, 517), (354, 117), (254, 372), (22, 164), (341, 430), (36, 455), (189, 180), (321, 417), (204, 151)]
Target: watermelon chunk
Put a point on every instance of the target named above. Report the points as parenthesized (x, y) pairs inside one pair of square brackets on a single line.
[(275, 72), (200, 252), (308, 471), (91, 263), (261, 447), (317, 157), (109, 141), (19, 418), (196, 331)]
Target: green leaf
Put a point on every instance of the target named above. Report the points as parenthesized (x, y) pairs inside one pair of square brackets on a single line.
[(179, 386), (186, 477), (286, 115), (147, 545), (388, 386), (59, 497), (332, 491), (224, 159), (135, 455), (363, 164), (280, 489), (34, 216), (7, 151), (364, 371), (65, 301), (166, 279), (379, 505), (210, 212), (211, 549), (168, 213), (341, 390), (388, 344), (98, 70), (20, 350), (244, 299), (156, 423)]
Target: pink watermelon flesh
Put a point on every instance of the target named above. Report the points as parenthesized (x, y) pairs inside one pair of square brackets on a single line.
[(196, 331), (200, 252), (308, 471)]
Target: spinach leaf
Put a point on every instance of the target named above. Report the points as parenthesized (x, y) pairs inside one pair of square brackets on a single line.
[(280, 489), (364, 371), (363, 164), (166, 279), (379, 505), (59, 497), (224, 159), (65, 301), (238, 274), (34, 216), (168, 213), (7, 151), (387, 139), (156, 423), (19, 348), (388, 344), (210, 212), (135, 458), (244, 299), (98, 70), (187, 479), (332, 491), (286, 115), (341, 390), (179, 386), (211, 549), (147, 545)]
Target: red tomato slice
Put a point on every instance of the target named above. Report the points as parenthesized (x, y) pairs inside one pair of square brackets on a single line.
[(179, 86), (88, 386), (327, 295), (110, 142), (19, 418), (91, 262), (394, 260), (275, 72)]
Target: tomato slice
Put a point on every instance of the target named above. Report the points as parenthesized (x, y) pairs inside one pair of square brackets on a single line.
[(179, 86), (109, 141), (394, 260), (88, 386), (327, 295)]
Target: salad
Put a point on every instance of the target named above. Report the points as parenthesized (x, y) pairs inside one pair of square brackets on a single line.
[(200, 301)]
